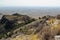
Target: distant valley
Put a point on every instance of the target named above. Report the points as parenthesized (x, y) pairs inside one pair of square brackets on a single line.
[(31, 11)]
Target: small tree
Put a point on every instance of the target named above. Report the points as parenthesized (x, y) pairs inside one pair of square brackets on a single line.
[(39, 18), (58, 16)]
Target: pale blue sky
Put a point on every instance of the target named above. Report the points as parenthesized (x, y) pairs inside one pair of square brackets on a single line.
[(47, 3)]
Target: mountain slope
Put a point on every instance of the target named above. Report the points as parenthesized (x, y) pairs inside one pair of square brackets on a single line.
[(42, 29)]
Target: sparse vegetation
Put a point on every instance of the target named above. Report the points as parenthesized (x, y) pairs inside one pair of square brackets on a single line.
[(9, 24), (23, 27)]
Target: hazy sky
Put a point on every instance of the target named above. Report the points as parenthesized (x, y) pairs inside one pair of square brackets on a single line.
[(47, 3)]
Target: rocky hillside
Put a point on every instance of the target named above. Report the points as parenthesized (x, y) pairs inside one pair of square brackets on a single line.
[(44, 28), (8, 23)]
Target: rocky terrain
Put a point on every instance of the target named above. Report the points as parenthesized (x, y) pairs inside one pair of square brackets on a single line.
[(9, 23), (23, 27)]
